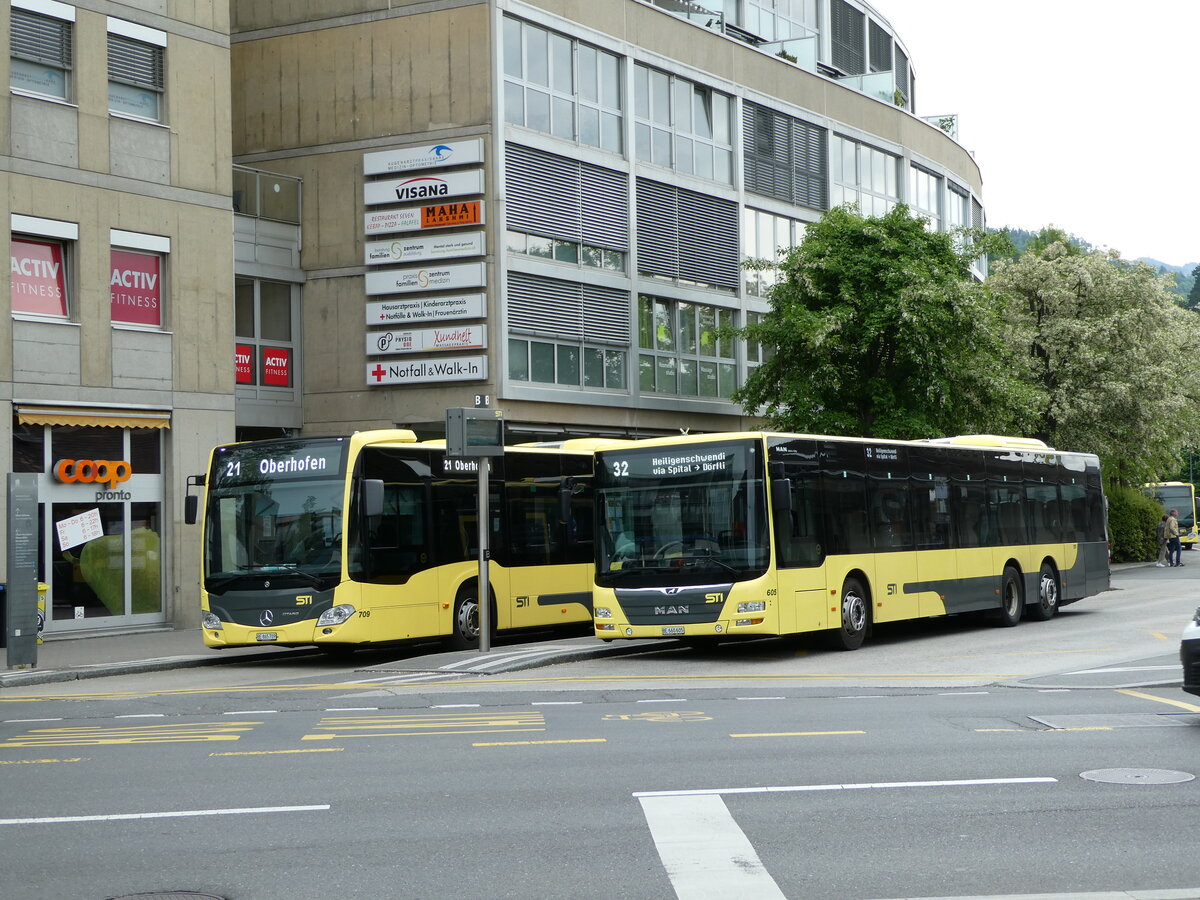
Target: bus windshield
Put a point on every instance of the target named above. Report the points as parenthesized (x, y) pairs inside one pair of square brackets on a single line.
[(664, 510), (1177, 496), (275, 509)]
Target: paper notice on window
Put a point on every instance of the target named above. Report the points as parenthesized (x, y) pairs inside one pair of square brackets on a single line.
[(79, 529)]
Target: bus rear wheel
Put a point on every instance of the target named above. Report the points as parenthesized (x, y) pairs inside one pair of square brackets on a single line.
[(856, 617), (1048, 595), (1012, 599)]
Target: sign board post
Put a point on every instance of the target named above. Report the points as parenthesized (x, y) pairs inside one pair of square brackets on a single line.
[(22, 592), (479, 434)]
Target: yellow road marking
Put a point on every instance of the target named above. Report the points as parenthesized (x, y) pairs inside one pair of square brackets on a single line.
[(1083, 728), (276, 752), (1190, 707), (457, 684), (330, 737), (794, 734), (33, 762), (92, 735), (529, 743), (1161, 637)]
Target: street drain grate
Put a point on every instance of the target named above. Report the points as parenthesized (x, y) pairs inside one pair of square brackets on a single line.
[(1137, 776)]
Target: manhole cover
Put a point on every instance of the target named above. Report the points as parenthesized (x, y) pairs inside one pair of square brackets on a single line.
[(1136, 776), (169, 895)]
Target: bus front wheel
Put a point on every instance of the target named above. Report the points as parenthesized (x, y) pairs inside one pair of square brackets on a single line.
[(464, 629), (1012, 600), (856, 617)]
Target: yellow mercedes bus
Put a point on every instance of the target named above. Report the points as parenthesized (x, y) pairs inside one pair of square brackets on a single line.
[(372, 538), (1180, 495), (728, 535)]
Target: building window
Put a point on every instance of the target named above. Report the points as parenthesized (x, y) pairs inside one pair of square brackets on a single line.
[(848, 37), (136, 289), (957, 208), (135, 70), (41, 50), (756, 353), (785, 157), (561, 86), (687, 237), (778, 20), (264, 351), (864, 177), (681, 349), (540, 247), (925, 196), (571, 365), (682, 126), (766, 238)]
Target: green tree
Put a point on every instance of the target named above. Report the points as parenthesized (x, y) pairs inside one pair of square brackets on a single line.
[(877, 328), (1109, 350), (1193, 297)]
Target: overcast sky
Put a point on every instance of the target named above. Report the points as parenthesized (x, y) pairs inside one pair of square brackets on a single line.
[(1082, 114)]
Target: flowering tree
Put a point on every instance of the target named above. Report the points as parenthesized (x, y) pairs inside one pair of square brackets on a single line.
[(1110, 352)]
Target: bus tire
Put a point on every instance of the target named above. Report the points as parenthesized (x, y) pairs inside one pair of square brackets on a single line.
[(1048, 595), (1012, 598), (856, 617), (464, 625)]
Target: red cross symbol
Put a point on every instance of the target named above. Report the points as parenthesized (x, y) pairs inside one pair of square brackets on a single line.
[(379, 371)]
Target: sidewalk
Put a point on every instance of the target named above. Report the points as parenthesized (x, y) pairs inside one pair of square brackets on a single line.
[(73, 657)]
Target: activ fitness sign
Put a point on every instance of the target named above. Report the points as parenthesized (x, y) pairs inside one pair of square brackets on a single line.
[(96, 471)]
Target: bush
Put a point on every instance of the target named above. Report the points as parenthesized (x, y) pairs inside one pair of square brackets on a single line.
[(1133, 525)]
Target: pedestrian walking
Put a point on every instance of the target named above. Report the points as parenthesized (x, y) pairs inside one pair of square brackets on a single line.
[(1162, 542), (1173, 546)]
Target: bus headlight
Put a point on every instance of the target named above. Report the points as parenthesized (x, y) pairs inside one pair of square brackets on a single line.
[(603, 612), (336, 615), (211, 622), (752, 606)]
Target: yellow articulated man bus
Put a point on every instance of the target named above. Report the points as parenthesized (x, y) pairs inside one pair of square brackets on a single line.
[(728, 535), (1180, 495), (372, 538)]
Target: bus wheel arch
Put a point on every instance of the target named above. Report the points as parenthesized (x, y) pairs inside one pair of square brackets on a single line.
[(1012, 596), (1049, 593), (854, 609), (464, 621)]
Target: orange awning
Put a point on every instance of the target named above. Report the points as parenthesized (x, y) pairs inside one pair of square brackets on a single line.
[(29, 414)]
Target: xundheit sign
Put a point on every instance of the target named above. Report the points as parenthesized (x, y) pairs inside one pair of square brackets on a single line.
[(425, 340)]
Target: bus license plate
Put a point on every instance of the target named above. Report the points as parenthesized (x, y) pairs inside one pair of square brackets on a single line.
[(267, 636), (672, 629)]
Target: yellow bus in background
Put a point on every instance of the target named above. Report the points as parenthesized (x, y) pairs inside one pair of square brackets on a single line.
[(1180, 495), (372, 538), (739, 535)]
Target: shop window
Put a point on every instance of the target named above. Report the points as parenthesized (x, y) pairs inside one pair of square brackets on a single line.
[(39, 276), (29, 448), (265, 323), (41, 50), (135, 288), (135, 70)]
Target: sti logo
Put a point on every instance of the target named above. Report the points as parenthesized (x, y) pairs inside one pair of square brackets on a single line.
[(441, 152)]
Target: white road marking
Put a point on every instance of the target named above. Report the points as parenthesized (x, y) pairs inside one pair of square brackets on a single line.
[(1124, 669), (181, 814), (760, 698), (557, 703), (671, 700), (250, 712), (142, 716), (705, 853), (15, 721), (966, 782), (457, 706)]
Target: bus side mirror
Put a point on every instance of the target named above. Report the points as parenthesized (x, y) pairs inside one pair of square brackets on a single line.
[(191, 502), (372, 497), (781, 495), (564, 500)]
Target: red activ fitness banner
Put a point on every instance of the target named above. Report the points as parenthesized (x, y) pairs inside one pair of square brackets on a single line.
[(39, 281), (243, 364), (277, 366), (136, 288)]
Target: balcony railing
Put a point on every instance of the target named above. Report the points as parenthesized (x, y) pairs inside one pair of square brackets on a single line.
[(266, 195)]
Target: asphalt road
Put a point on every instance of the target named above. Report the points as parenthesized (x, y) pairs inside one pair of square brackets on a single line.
[(944, 759)]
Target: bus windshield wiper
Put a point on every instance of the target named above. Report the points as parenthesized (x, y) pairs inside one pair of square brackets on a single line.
[(283, 569)]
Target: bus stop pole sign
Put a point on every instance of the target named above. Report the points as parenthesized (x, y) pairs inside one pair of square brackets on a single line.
[(478, 434), (22, 593)]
